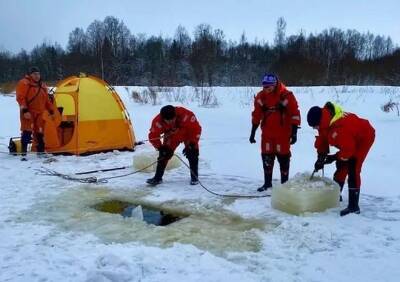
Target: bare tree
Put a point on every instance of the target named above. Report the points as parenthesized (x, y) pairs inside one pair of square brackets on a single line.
[(280, 33)]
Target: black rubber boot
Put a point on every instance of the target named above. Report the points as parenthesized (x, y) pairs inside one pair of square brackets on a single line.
[(284, 163), (26, 138), (40, 143), (354, 195), (268, 166), (157, 179), (193, 158)]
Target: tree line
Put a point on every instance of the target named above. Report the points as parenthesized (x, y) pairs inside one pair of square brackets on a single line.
[(109, 50)]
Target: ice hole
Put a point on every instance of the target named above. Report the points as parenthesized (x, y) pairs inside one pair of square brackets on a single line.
[(140, 212), (206, 225)]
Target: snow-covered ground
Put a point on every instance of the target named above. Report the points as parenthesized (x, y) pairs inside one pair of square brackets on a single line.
[(49, 232)]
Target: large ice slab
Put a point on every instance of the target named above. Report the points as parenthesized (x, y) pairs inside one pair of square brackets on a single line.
[(302, 194), (144, 160)]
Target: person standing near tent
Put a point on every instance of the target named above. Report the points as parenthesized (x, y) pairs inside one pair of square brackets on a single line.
[(177, 125), (276, 109), (33, 100), (353, 136)]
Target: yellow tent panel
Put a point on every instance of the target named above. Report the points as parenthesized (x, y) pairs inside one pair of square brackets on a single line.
[(93, 118)]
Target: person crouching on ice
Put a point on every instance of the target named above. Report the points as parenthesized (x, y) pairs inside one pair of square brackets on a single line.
[(178, 125), (353, 136), (276, 109)]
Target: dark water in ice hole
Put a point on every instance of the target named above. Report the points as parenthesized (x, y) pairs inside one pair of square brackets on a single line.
[(151, 216)]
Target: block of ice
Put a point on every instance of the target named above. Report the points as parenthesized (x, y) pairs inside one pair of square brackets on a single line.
[(145, 159), (300, 194), (137, 213)]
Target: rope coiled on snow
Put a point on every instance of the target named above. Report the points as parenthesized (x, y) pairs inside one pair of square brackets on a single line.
[(95, 180)]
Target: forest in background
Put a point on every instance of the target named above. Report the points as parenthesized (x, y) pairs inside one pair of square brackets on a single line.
[(109, 50)]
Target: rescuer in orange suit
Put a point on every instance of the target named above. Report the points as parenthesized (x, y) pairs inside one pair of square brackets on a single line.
[(33, 100), (353, 136), (174, 125), (276, 110)]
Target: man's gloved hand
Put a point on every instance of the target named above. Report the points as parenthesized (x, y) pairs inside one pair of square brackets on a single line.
[(319, 164), (26, 114), (293, 137), (165, 152), (330, 158), (253, 133), (281, 106)]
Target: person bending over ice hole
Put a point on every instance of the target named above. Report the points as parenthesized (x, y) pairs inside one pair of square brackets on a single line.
[(276, 109), (178, 125), (353, 136)]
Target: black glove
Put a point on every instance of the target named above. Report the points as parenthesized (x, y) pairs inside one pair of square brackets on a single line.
[(281, 106), (330, 159), (253, 133), (319, 164), (293, 137), (165, 152)]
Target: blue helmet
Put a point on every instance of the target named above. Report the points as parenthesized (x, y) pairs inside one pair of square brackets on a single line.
[(270, 80)]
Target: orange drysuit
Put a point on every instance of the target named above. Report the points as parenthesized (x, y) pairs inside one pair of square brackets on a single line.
[(32, 97), (185, 129), (277, 112), (352, 135)]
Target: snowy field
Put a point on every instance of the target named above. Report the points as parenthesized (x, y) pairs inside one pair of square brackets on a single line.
[(49, 232)]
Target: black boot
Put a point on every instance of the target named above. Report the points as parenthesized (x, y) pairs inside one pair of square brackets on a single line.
[(40, 143), (26, 138), (284, 163), (353, 207), (157, 179), (192, 154), (268, 166), (194, 169)]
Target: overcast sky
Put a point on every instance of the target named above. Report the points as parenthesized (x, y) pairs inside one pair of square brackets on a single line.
[(26, 23)]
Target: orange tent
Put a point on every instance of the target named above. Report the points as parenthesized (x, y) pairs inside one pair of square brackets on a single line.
[(93, 118)]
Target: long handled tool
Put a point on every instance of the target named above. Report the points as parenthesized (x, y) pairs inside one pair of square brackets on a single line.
[(101, 170), (312, 174)]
